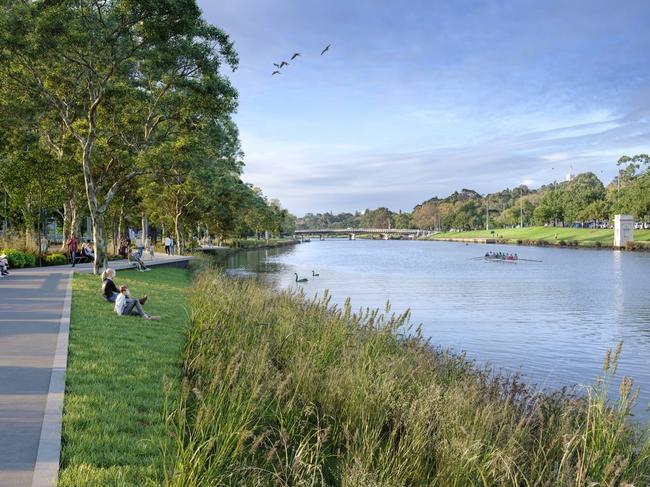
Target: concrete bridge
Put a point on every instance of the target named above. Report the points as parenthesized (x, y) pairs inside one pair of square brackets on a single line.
[(353, 232)]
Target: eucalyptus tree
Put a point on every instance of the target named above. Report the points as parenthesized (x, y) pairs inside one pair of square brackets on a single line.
[(122, 76), (190, 167)]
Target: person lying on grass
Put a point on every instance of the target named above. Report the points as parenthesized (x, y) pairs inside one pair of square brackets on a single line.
[(110, 291), (126, 306)]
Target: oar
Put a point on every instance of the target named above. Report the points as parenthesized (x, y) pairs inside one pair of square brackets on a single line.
[(530, 260)]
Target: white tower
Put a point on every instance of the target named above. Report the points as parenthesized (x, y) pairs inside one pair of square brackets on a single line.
[(623, 230)]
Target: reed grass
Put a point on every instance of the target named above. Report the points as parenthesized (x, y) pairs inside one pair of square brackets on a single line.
[(282, 390)]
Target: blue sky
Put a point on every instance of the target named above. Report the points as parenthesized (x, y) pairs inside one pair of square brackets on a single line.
[(421, 98)]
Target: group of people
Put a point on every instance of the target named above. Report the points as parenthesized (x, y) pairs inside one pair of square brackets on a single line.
[(125, 305), (170, 245), (501, 256), (86, 251), (4, 265)]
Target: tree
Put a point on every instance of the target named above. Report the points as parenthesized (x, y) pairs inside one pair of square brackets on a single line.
[(378, 218), (402, 220), (121, 76)]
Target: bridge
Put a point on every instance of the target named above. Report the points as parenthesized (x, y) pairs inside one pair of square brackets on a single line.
[(353, 232)]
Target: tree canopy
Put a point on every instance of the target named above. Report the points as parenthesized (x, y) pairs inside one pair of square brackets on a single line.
[(128, 106)]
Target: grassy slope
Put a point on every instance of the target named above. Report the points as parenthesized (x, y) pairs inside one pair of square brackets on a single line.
[(113, 425), (281, 391), (583, 235)]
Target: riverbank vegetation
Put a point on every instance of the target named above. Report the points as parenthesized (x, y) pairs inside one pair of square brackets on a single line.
[(547, 236), (261, 243), (281, 390), (113, 414)]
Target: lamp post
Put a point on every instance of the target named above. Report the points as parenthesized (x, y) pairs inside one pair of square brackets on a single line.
[(4, 223), (521, 208)]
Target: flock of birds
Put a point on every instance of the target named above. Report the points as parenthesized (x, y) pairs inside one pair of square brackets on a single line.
[(304, 279), (282, 64)]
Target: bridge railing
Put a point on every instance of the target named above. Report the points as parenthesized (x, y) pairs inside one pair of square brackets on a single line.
[(359, 230)]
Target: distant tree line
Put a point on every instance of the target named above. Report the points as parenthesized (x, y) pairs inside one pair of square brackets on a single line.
[(583, 200)]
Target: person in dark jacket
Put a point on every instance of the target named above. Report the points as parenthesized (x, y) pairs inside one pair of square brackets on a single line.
[(110, 289), (72, 249)]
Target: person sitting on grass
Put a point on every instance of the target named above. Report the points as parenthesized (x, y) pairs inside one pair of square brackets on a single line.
[(4, 265), (126, 306), (110, 291)]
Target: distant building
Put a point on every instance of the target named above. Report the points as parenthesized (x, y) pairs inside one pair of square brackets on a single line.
[(569, 177)]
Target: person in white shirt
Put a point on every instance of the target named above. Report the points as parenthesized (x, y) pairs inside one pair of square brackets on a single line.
[(87, 250), (126, 306), (168, 244)]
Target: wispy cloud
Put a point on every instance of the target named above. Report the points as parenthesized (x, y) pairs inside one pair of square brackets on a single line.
[(415, 102)]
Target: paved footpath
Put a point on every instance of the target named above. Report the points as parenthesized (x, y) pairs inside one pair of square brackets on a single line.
[(34, 321)]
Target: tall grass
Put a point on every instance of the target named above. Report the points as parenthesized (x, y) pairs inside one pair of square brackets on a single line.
[(281, 390)]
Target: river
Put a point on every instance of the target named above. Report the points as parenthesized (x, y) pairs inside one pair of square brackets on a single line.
[(552, 321)]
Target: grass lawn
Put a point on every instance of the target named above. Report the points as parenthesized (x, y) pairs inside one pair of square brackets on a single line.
[(113, 415), (582, 235)]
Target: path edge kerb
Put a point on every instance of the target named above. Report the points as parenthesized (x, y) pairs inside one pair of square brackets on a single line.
[(46, 469)]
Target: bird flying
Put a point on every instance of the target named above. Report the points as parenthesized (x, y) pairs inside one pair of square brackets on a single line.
[(295, 56), (276, 65), (284, 63), (326, 49), (275, 72)]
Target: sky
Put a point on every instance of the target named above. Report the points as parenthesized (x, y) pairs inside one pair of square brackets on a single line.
[(421, 98)]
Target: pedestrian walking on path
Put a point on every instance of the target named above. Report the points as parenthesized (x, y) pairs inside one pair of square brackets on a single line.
[(73, 247)]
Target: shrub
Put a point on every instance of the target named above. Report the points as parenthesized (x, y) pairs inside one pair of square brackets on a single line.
[(561, 243), (15, 258), (18, 259), (55, 259), (29, 260)]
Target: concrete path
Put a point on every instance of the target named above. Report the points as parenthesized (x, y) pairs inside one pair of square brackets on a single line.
[(31, 306), (34, 320)]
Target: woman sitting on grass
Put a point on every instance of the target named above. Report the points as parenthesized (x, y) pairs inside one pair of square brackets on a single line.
[(110, 291), (126, 306)]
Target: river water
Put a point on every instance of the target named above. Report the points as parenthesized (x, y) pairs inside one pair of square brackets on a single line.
[(552, 321)]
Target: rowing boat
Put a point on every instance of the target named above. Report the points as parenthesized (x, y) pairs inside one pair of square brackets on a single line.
[(495, 259)]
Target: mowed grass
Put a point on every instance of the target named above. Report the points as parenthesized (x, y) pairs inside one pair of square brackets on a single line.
[(280, 390), (581, 235), (113, 422)]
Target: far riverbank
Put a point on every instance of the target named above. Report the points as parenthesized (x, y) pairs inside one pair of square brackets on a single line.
[(546, 236)]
